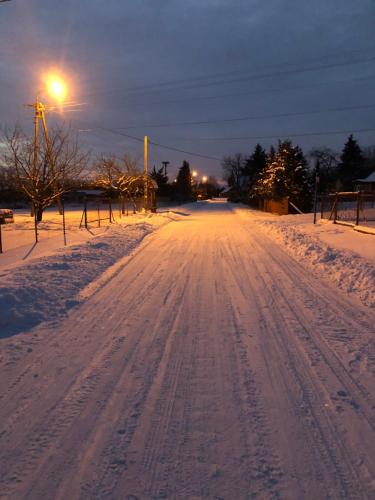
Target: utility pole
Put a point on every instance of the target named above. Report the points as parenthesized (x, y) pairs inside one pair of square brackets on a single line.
[(40, 109), (145, 172), (165, 165), (317, 172)]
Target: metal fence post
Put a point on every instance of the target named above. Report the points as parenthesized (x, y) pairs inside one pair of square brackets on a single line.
[(85, 211), (35, 224), (63, 216), (358, 204), (110, 210), (335, 208)]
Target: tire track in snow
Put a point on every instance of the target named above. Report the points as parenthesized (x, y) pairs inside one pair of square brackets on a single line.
[(203, 403), (66, 409), (311, 393), (132, 408), (318, 343)]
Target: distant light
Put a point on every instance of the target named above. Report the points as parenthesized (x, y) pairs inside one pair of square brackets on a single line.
[(204, 178), (194, 173)]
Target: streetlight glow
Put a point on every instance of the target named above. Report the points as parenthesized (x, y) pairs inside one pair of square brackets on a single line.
[(56, 87), (194, 173), (204, 178)]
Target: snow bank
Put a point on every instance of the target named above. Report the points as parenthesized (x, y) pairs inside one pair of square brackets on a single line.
[(46, 287), (337, 253)]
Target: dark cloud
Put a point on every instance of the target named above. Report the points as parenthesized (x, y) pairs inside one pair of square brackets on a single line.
[(116, 51)]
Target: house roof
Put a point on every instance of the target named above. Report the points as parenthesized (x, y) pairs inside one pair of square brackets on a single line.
[(370, 178)]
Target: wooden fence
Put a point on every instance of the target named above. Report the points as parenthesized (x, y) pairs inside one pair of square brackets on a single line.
[(353, 208)]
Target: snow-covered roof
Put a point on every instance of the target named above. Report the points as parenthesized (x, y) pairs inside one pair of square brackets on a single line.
[(370, 178)]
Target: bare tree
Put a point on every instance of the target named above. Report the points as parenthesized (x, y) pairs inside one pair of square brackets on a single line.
[(131, 166), (233, 168), (108, 172), (123, 177), (326, 160), (42, 172)]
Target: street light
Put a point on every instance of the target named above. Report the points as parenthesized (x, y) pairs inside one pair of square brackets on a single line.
[(204, 178), (56, 87)]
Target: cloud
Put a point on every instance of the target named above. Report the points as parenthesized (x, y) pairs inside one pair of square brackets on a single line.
[(110, 46)]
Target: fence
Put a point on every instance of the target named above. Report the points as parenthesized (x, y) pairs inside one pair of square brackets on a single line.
[(354, 208), (96, 211), (90, 214)]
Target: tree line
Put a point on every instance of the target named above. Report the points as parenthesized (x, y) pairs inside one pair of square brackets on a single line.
[(285, 171), (41, 173)]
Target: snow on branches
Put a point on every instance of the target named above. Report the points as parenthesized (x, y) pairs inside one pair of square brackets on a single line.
[(43, 169), (285, 174)]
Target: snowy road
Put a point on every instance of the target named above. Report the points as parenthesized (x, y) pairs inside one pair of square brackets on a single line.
[(211, 366)]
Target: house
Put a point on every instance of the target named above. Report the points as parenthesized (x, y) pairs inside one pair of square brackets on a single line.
[(367, 185)]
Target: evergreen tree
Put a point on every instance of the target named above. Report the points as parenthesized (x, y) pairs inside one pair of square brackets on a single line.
[(352, 164), (161, 180), (255, 165), (271, 154), (184, 185), (286, 174)]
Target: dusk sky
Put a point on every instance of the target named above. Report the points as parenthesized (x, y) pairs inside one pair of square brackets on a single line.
[(153, 67)]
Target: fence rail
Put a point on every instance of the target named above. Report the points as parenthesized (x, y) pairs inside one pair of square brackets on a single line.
[(90, 214), (354, 208)]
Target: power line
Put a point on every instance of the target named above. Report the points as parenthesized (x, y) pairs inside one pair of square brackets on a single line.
[(144, 90), (241, 71), (248, 118), (247, 138), (257, 92), (170, 148), (278, 136), (163, 146)]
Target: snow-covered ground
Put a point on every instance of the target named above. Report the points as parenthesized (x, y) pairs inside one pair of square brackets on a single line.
[(336, 253), (41, 282), (191, 355), (19, 238)]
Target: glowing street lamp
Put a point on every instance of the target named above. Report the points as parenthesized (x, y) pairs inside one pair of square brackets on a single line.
[(204, 178), (56, 87), (194, 173)]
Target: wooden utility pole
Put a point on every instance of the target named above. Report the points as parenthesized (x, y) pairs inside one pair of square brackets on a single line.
[(40, 109), (145, 172)]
